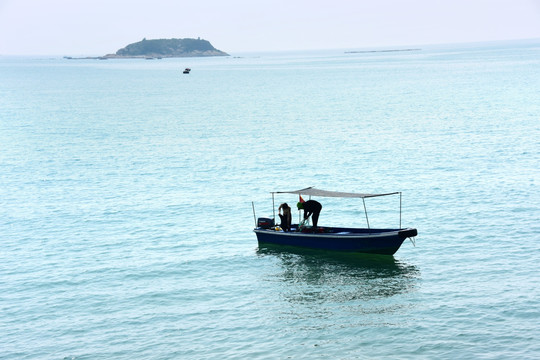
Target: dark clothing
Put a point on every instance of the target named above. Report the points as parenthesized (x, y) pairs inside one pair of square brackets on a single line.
[(285, 221), (286, 218), (312, 207)]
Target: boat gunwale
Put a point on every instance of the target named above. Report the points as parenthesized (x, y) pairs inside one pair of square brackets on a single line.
[(379, 233)]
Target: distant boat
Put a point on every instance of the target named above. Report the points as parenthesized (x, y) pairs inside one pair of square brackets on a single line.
[(187, 70), (354, 240)]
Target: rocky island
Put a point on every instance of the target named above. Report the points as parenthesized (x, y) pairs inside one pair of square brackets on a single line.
[(163, 48)]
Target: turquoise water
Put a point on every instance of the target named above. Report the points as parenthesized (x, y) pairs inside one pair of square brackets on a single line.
[(126, 216)]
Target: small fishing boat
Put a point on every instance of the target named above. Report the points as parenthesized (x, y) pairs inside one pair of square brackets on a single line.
[(345, 239), (186, 71)]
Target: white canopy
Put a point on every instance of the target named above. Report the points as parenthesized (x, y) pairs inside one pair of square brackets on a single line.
[(311, 191)]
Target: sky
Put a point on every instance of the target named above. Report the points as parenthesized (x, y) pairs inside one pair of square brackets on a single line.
[(99, 27)]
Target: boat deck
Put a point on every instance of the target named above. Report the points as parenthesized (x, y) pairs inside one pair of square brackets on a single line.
[(325, 230)]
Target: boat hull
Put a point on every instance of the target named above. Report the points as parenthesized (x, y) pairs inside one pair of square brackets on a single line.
[(374, 241)]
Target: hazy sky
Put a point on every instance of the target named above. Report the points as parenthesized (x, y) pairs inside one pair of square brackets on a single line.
[(98, 27)]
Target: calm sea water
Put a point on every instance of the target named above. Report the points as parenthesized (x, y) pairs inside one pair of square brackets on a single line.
[(126, 216)]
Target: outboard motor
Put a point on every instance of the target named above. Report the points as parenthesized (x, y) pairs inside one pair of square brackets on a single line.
[(265, 223)]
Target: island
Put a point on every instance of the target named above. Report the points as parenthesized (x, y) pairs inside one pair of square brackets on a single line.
[(163, 48)]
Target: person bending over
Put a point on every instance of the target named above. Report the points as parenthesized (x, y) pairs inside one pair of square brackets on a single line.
[(311, 207)]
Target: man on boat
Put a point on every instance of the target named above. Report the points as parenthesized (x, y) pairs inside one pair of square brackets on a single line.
[(286, 218), (311, 207)]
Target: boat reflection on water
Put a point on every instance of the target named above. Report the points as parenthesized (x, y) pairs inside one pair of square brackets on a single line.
[(323, 276)]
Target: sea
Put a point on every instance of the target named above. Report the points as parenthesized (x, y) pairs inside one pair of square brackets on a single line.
[(129, 193)]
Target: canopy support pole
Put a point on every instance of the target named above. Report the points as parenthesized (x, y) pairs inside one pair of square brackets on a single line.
[(254, 216), (365, 212), (400, 209), (273, 207)]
